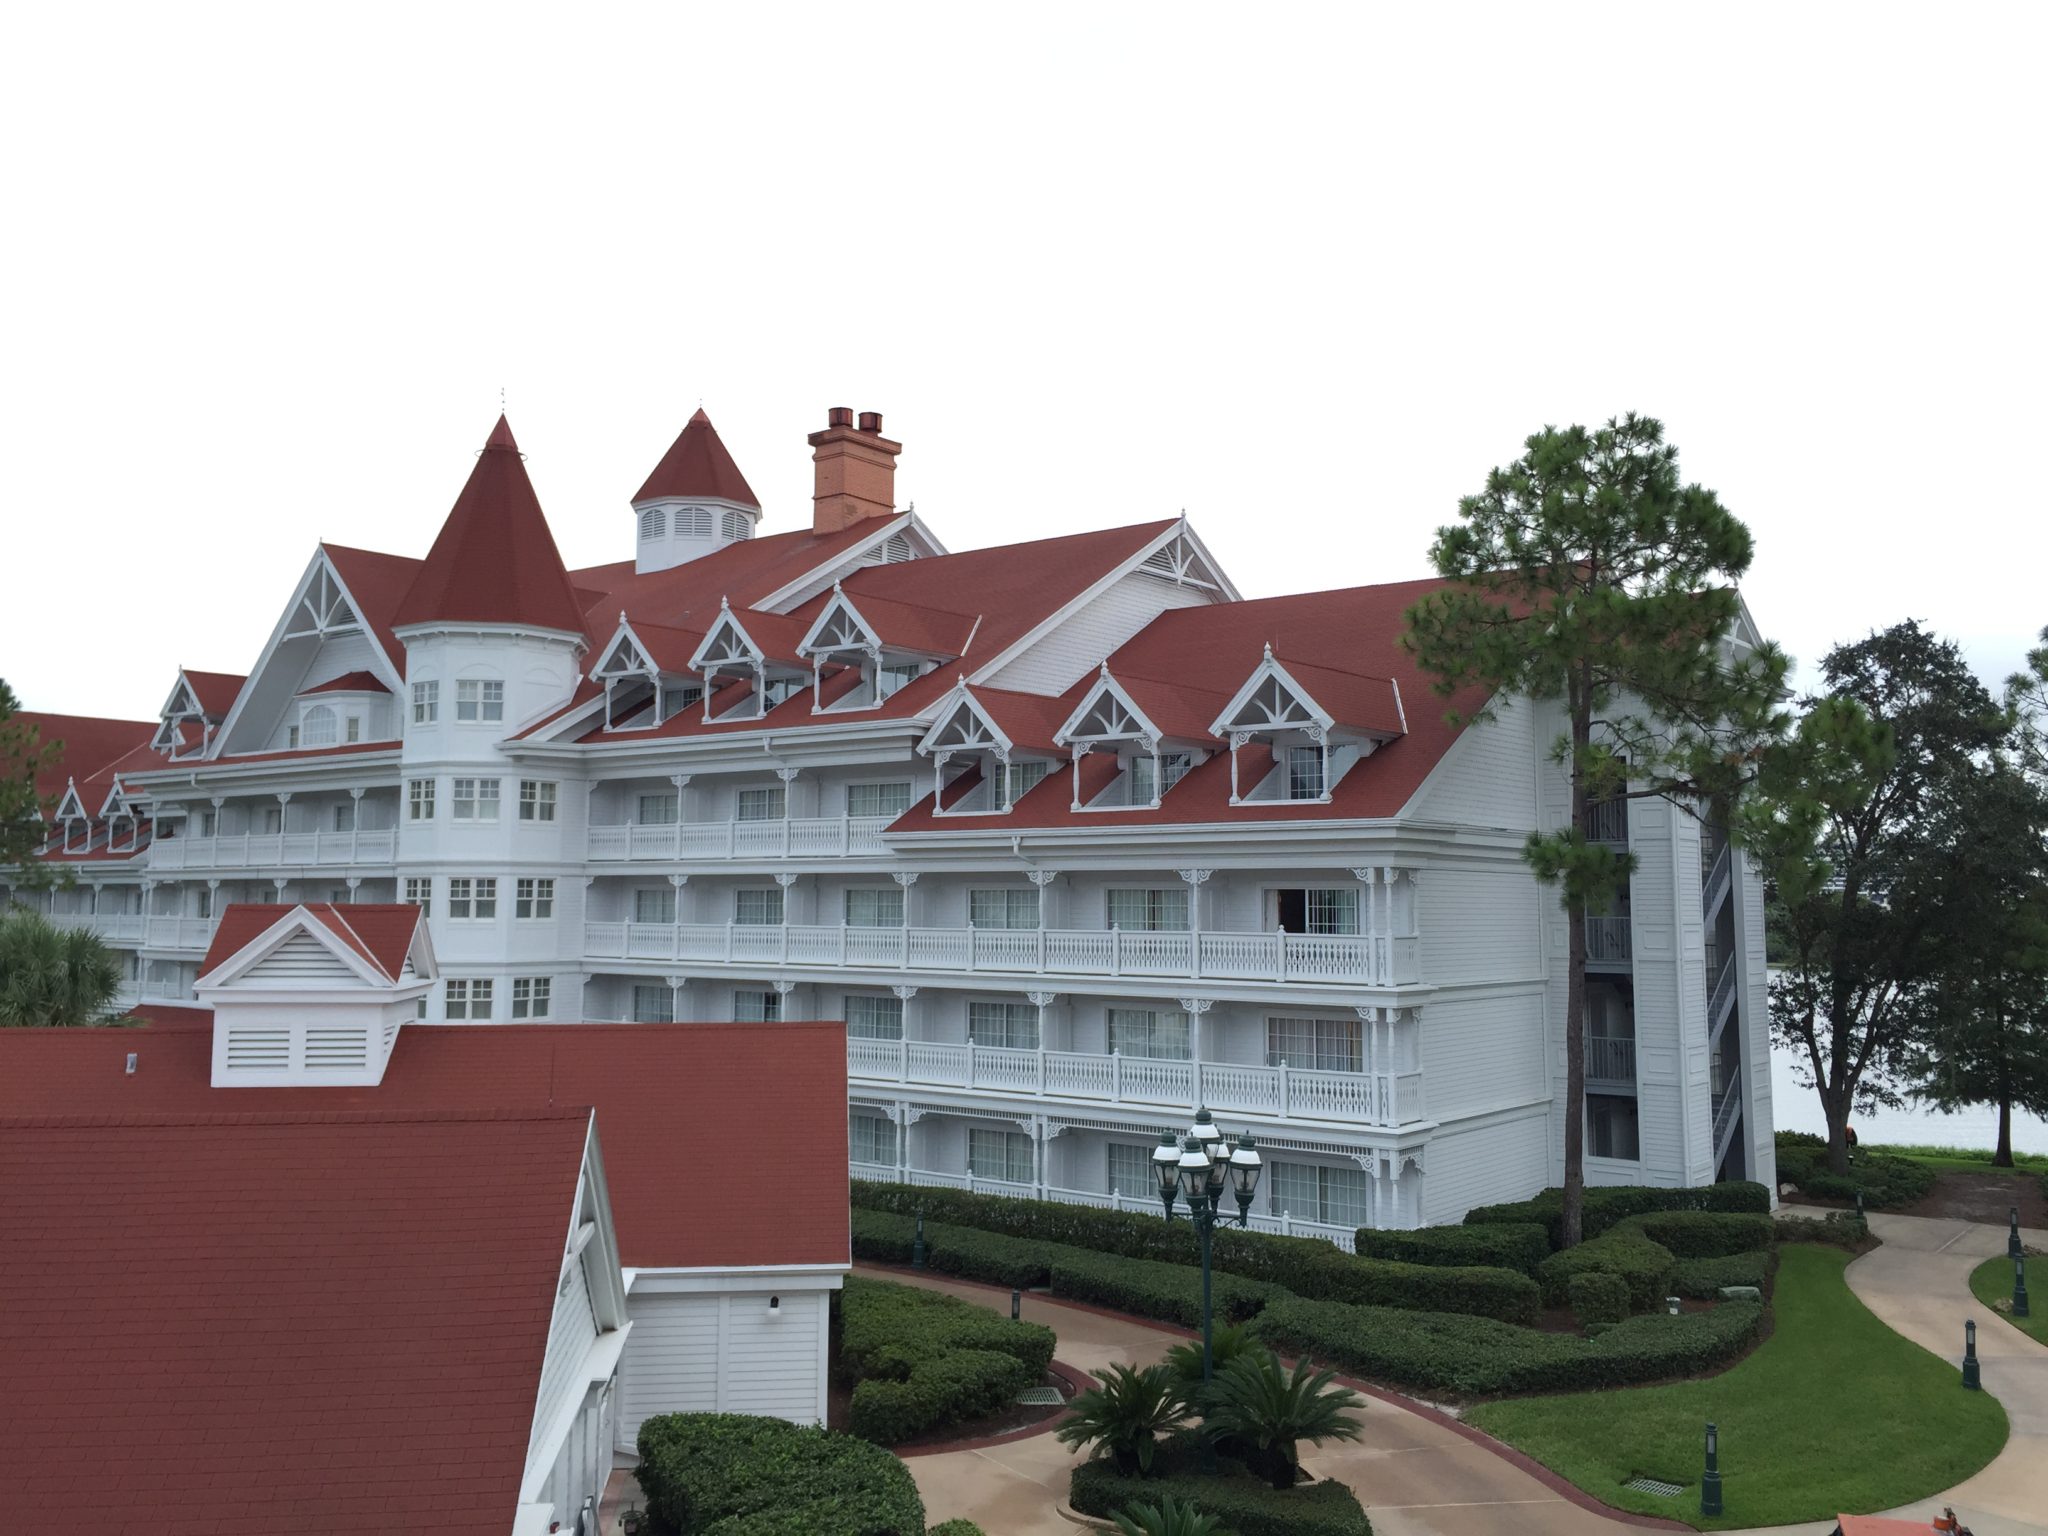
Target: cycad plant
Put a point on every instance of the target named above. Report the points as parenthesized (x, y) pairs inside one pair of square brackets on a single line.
[(53, 978), (1269, 1411), (1125, 1415), (1231, 1340), (1169, 1517)]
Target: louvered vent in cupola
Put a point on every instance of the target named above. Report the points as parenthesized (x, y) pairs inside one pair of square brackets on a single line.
[(259, 1049), (337, 1050), (301, 960)]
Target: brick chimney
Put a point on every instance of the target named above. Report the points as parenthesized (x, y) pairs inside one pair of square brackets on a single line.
[(856, 471)]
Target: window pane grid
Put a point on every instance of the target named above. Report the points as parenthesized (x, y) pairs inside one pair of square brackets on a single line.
[(1161, 1034), (881, 907), (874, 1018), (1002, 909), (1323, 1045), (1011, 1026), (1003, 1155), (877, 799), (1151, 911), (757, 908)]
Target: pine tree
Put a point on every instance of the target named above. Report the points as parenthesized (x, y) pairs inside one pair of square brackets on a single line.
[(23, 754)]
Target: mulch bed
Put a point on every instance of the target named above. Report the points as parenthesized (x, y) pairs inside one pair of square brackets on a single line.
[(1987, 1197)]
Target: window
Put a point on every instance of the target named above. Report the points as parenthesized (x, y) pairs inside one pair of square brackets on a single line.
[(473, 900), (657, 810), (1130, 1170), (674, 699), (1002, 1155), (205, 903), (419, 891), (757, 909), (345, 816), (481, 699), (1323, 1045), (877, 799), (870, 1139), (1305, 911), (1304, 773), (317, 727), (1333, 1195), (779, 690), (1154, 1032), (532, 996), (890, 678), (352, 728), (291, 739), (653, 1004), (537, 799), (534, 899), (273, 818), (209, 823), (654, 904), (419, 800), (756, 1007), (1147, 784), (426, 703), (874, 1018), (1611, 1127), (1003, 909), (881, 907), (1013, 1026), (476, 799), (1157, 911), (1019, 778), (762, 804), (469, 999)]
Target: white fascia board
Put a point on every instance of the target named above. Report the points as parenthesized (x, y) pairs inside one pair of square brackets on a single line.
[(729, 751), (653, 1281), (1106, 683), (300, 997), (838, 602), (291, 772), (603, 1251), (297, 920), (1270, 666), (960, 698), (1237, 843), (791, 593), (605, 651), (1229, 587), (1059, 616), (726, 616), (600, 1363)]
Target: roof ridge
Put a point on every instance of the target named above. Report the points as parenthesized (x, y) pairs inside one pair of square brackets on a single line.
[(291, 1117)]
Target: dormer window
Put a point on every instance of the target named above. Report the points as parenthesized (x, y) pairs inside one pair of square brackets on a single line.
[(1002, 772), (317, 727), (1314, 723), (843, 640), (1109, 720), (641, 670), (729, 650), (1305, 773)]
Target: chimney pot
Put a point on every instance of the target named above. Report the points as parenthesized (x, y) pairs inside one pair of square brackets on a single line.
[(871, 421), (855, 471), (839, 416)]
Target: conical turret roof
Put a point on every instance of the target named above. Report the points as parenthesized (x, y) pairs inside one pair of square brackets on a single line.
[(494, 561), (698, 465)]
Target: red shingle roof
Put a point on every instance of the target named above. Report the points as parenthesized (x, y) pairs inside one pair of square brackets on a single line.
[(494, 561), (349, 682), (88, 745), (697, 464), (215, 691), (381, 932), (751, 1117), (241, 1325)]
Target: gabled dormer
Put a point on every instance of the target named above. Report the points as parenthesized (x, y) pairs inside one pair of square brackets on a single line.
[(645, 674), (194, 713), (71, 821), (694, 503), (729, 652), (1109, 719), (1006, 759), (897, 646), (1315, 722), (312, 994), (122, 818)]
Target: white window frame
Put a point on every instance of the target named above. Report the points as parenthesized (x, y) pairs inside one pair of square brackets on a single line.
[(751, 1006), (1009, 904), (1154, 1034), (874, 906), (873, 1016), (426, 702), (537, 799), (419, 799), (1154, 914), (758, 906), (1315, 1042), (993, 1021), (479, 700), (653, 1003), (1009, 1160), (419, 891), (1337, 1197), (470, 999), (533, 898), (870, 1139), (480, 795), (764, 803), (473, 898), (883, 796), (663, 897), (533, 997)]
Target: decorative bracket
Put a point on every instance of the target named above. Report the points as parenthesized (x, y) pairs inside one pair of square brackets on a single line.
[(905, 878), (1042, 999), (904, 994), (1041, 877), (1196, 1006), (786, 881), (1195, 876)]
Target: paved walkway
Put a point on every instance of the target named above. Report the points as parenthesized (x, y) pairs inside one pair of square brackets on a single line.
[(1419, 1477)]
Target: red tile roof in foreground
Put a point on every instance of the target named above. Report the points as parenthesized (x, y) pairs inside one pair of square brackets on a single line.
[(697, 464), (724, 1144), (381, 932), (494, 560), (240, 1325)]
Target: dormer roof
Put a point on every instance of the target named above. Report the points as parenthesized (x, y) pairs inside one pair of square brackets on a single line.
[(494, 561), (348, 682), (698, 467), (382, 937)]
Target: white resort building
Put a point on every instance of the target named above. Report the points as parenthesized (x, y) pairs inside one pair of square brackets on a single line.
[(1072, 837)]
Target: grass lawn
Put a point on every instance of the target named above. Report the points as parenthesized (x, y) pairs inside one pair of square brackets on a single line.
[(1991, 1282), (1834, 1414), (1966, 1159)]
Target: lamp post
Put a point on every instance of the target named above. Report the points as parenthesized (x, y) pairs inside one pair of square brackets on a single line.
[(1201, 1168), (1972, 1378), (2019, 1285), (1710, 1484), (2013, 1246)]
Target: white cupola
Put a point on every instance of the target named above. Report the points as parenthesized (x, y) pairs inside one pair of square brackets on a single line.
[(695, 503)]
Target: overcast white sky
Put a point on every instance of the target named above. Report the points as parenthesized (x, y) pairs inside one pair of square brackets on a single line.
[(1305, 272)]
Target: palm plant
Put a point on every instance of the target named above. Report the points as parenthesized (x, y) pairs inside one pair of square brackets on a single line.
[(1124, 1416), (1231, 1340), (1169, 1517), (1269, 1411), (53, 978)]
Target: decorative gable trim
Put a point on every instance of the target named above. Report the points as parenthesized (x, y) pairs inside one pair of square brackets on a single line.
[(839, 628), (872, 550), (1271, 700), (962, 725), (726, 645), (1113, 713)]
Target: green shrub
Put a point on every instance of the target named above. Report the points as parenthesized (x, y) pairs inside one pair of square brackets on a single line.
[(1644, 1266), (731, 1474), (884, 1238), (1519, 1246), (1474, 1357), (1170, 1293), (921, 1360), (1608, 1204), (1308, 1266), (1242, 1501), (1597, 1296), (1703, 1278), (956, 1528), (1703, 1234), (1883, 1179), (1839, 1229)]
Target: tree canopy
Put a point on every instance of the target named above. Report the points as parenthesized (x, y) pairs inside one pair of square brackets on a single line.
[(23, 754)]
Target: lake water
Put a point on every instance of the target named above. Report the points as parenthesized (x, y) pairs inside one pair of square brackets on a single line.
[(1794, 1108)]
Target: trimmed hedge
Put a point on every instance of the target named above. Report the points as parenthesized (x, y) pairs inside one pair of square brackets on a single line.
[(956, 1528), (1245, 1504), (886, 1238), (1885, 1180), (733, 1474), (1643, 1266), (1519, 1246), (1702, 1279), (1598, 1296), (1608, 1204), (1475, 1357), (1703, 1234), (1170, 1293), (1308, 1266), (921, 1360)]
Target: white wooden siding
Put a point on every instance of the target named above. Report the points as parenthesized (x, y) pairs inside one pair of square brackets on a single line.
[(1482, 1054), (703, 1353), (300, 961), (1488, 778), (1482, 924), (1077, 647), (570, 1334), (1501, 1160)]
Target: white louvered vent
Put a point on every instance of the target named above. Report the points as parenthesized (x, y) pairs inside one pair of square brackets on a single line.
[(390, 1034), (301, 959), (894, 550), (1161, 563), (407, 973), (337, 1050), (259, 1050)]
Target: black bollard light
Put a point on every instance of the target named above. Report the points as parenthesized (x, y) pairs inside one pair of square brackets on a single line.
[(1710, 1485), (1971, 1380), (2019, 1285), (917, 1244), (1016, 1305), (2013, 1246)]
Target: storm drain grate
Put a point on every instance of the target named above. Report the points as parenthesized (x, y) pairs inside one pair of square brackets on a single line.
[(1040, 1397), (1651, 1485)]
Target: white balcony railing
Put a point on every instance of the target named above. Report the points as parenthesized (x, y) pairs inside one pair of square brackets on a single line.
[(1304, 957), (113, 927), (262, 850), (1357, 1098), (1607, 940), (1611, 1059), (177, 932), (794, 838)]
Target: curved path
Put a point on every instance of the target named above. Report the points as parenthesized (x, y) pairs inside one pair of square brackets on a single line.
[(1422, 1474)]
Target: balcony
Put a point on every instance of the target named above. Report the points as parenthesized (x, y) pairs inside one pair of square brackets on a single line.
[(1607, 942), (124, 928), (1357, 1098), (1610, 1063), (265, 850), (1278, 957), (824, 837)]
